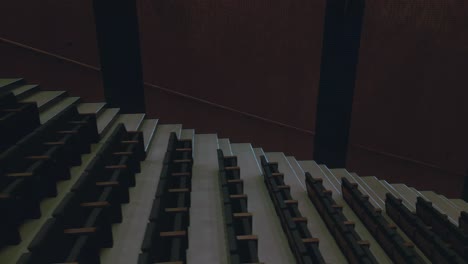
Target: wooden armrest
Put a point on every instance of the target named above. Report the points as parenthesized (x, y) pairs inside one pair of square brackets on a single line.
[(351, 223), (300, 219), (39, 157), (83, 230), (247, 237), (107, 183), (311, 240), (238, 196), (364, 243), (20, 174), (365, 197), (235, 181), (392, 226), (337, 206), (122, 153), (95, 204), (67, 132), (176, 210), (291, 202), (180, 174), (113, 167), (182, 161), (129, 141), (173, 233), (183, 149), (282, 187), (232, 168), (277, 174), (327, 192), (242, 215), (408, 244), (378, 210), (77, 122), (178, 190), (53, 143)]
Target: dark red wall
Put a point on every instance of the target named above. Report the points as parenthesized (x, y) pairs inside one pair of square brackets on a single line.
[(249, 70)]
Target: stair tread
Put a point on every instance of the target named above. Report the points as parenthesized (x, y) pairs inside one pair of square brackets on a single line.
[(149, 128), (442, 206), (23, 90), (129, 234), (6, 82), (360, 228), (44, 98), (108, 116), (91, 108), (187, 134), (273, 244), (206, 232), (328, 247), (57, 108), (132, 122), (225, 146)]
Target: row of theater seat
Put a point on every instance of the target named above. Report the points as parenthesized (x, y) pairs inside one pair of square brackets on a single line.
[(440, 225), (16, 120), (242, 244), (304, 247), (82, 223), (353, 247), (386, 235), (435, 249), (166, 238), (31, 168)]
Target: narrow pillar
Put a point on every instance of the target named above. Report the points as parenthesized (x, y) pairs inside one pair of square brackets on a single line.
[(340, 52), (119, 50)]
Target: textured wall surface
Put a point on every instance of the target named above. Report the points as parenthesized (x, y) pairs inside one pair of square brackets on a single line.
[(249, 70)]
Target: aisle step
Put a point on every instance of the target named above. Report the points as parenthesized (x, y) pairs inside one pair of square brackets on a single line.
[(273, 245), (24, 91), (225, 146), (375, 248), (441, 205), (128, 235), (327, 245), (461, 204), (7, 83), (206, 238), (91, 108), (148, 128), (106, 119), (44, 99), (57, 108), (187, 134), (132, 122)]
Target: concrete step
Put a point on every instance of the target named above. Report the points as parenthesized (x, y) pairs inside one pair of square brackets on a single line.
[(132, 122), (206, 235), (106, 119), (328, 247), (57, 108), (187, 134), (461, 204), (149, 127), (28, 230), (8, 83), (360, 228), (23, 91), (225, 146), (44, 99), (273, 245), (128, 235), (91, 108)]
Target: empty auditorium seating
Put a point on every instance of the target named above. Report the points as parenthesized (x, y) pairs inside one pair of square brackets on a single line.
[(166, 236), (242, 244), (386, 235), (430, 244), (81, 224), (441, 226), (83, 187), (16, 119), (34, 165), (304, 246), (355, 249)]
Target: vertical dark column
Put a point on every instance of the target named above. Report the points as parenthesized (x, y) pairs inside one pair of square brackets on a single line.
[(465, 188), (119, 49), (340, 50)]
